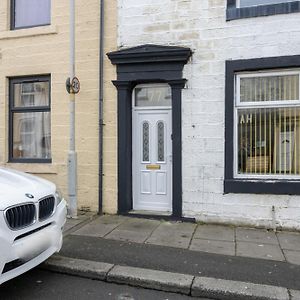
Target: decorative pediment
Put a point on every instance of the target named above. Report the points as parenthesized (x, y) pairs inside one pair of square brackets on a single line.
[(150, 53)]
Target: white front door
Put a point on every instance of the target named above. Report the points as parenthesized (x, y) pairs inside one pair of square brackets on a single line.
[(152, 160)]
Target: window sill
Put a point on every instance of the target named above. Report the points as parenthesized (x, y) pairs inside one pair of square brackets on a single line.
[(273, 187), (28, 32), (37, 168), (234, 13)]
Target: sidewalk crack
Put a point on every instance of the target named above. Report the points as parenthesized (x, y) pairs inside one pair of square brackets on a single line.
[(104, 236), (150, 235), (280, 247), (192, 236)]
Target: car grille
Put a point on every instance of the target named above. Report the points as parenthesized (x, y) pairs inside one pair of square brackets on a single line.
[(46, 207), (20, 216)]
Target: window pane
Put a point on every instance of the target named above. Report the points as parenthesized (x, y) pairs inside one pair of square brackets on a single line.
[(31, 135), (269, 88), (32, 12), (247, 3), (146, 136), (268, 141), (160, 141), (31, 94), (153, 96)]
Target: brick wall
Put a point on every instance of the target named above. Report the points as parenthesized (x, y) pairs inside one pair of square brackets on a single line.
[(201, 25), (45, 50)]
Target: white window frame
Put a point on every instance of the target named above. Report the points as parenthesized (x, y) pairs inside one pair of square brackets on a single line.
[(263, 104)]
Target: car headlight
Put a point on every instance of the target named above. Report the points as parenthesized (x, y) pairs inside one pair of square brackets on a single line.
[(58, 196)]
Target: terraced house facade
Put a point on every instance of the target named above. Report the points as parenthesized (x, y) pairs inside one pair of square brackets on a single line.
[(200, 105), (34, 103), (208, 110)]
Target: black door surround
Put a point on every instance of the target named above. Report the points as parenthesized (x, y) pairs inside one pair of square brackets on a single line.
[(148, 64)]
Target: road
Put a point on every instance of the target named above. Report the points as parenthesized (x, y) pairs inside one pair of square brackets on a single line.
[(43, 285)]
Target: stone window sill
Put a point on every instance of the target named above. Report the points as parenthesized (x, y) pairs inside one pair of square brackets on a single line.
[(33, 168), (28, 32)]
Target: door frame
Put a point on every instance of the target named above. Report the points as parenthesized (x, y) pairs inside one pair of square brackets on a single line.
[(148, 64)]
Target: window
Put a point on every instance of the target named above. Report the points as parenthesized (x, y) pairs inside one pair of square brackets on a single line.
[(262, 126), (239, 9), (248, 3), (160, 141), (146, 143), (152, 95), (267, 124), (30, 123), (30, 13)]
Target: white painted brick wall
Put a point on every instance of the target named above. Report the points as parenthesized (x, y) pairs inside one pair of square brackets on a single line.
[(201, 25)]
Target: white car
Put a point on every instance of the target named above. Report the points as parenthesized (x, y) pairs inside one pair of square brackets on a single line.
[(32, 216)]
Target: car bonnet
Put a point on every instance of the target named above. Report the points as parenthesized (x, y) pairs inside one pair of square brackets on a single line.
[(17, 187)]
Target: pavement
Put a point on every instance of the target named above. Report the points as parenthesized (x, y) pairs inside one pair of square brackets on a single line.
[(212, 261)]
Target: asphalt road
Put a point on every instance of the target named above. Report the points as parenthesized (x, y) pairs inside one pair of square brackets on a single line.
[(43, 285)]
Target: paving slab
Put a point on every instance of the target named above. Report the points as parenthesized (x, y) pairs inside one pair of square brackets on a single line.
[(100, 226), (228, 290), (134, 230), (139, 225), (256, 236), (210, 246), (289, 240), (292, 257), (172, 234), (263, 251), (112, 219), (127, 236), (146, 278), (295, 295), (70, 223), (214, 232)]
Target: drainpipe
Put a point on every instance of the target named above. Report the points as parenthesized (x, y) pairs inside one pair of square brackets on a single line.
[(72, 155), (101, 124)]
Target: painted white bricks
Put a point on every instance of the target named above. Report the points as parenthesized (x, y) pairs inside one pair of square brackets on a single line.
[(201, 25)]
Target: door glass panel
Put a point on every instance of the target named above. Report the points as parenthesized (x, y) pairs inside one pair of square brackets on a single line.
[(145, 141), (153, 96), (160, 141)]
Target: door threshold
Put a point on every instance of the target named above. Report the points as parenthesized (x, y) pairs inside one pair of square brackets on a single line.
[(150, 213), (156, 215)]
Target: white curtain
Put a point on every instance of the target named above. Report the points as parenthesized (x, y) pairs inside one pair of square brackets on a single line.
[(269, 137)]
